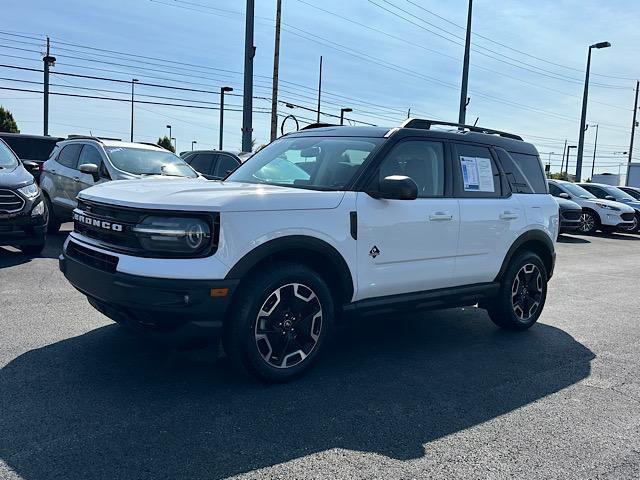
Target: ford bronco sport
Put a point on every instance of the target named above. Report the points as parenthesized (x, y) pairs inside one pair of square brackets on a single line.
[(319, 223)]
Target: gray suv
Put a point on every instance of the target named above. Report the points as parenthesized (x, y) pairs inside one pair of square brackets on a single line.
[(81, 162)]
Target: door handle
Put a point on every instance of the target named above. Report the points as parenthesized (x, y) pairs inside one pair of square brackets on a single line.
[(508, 215), (440, 217), (76, 179)]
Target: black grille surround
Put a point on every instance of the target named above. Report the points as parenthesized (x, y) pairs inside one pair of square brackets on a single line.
[(92, 258), (122, 239), (628, 217)]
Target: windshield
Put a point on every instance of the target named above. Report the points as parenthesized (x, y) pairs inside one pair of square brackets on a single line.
[(7, 158), (320, 163), (142, 161), (618, 194), (577, 190)]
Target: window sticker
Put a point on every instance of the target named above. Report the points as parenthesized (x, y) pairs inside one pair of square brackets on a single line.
[(477, 175), (115, 149)]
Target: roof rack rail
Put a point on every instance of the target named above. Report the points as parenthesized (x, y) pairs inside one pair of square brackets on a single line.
[(154, 145), (318, 125), (425, 124), (91, 137)]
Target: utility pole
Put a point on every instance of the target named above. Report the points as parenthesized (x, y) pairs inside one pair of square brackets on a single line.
[(409, 113), (564, 150), (633, 124), (276, 70), (247, 103), (48, 61), (133, 82), (595, 146), (465, 69), (319, 89), (223, 90)]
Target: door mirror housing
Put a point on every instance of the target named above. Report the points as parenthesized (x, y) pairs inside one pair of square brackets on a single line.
[(397, 187), (564, 195), (30, 165), (90, 169), (609, 197)]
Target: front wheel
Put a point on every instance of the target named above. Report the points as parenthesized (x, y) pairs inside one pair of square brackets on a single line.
[(53, 224), (279, 322), (632, 228), (523, 292), (589, 222)]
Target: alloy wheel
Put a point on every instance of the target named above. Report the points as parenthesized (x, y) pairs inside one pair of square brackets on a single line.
[(587, 222), (526, 292), (288, 325), (631, 228)]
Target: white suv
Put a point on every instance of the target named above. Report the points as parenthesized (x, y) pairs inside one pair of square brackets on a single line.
[(597, 213), (322, 222)]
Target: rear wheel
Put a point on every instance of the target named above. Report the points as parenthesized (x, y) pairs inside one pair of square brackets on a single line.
[(522, 295), (589, 222), (53, 224), (279, 322)]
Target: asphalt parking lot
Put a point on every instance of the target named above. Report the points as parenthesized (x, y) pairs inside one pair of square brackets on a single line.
[(441, 394)]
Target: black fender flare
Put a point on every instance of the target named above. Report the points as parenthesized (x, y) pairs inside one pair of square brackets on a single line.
[(536, 237), (323, 254)]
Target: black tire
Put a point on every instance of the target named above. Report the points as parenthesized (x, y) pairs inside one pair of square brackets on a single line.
[(32, 250), (53, 224), (520, 310), (589, 222), (635, 228), (288, 324)]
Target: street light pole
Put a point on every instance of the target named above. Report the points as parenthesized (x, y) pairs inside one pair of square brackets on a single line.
[(133, 82), (222, 92), (169, 127), (175, 144), (595, 146), (319, 89), (342, 112), (192, 143), (568, 154), (465, 68), (583, 117), (49, 61), (633, 127)]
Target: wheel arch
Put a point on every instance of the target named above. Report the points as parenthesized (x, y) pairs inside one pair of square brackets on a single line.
[(535, 241), (313, 252)]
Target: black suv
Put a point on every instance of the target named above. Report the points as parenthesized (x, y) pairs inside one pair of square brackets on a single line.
[(23, 215), (32, 148)]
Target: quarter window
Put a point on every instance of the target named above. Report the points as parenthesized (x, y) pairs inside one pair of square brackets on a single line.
[(420, 160), (68, 156)]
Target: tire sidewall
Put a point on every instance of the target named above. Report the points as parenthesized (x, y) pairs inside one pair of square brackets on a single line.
[(239, 336), (506, 307), (596, 223)]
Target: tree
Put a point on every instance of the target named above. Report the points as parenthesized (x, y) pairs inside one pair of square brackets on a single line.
[(165, 142), (7, 123)]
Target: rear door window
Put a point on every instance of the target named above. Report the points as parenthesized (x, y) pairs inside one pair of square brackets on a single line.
[(476, 173), (68, 156)]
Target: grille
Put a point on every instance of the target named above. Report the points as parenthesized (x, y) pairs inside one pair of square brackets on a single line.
[(101, 261), (627, 217), (571, 214), (10, 201)]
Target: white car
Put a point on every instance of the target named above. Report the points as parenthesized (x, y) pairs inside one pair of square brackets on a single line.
[(318, 223), (597, 213)]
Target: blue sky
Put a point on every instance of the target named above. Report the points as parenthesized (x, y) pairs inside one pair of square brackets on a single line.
[(381, 57)]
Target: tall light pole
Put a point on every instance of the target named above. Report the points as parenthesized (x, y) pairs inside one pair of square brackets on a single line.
[(247, 101), (192, 144), (319, 89), (49, 61), (633, 125), (169, 127), (595, 146), (133, 82), (276, 71), (223, 90), (342, 112), (465, 69), (583, 118)]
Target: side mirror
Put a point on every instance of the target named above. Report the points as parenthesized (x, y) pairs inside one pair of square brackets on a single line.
[(30, 165), (564, 195), (609, 197), (397, 187), (90, 169)]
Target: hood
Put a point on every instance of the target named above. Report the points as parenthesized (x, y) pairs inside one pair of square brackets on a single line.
[(632, 203), (15, 177), (565, 204), (194, 195), (622, 206)]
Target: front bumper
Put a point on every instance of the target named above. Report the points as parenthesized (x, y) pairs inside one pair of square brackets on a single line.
[(176, 311), (569, 220), (21, 229)]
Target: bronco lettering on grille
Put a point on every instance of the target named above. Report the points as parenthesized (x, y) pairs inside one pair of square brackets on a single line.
[(95, 222)]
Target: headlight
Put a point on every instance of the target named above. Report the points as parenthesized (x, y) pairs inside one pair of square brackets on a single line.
[(608, 207), (190, 236), (38, 210), (30, 191)]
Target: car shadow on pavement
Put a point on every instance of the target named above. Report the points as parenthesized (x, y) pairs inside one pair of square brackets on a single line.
[(563, 238), (10, 257), (108, 405)]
